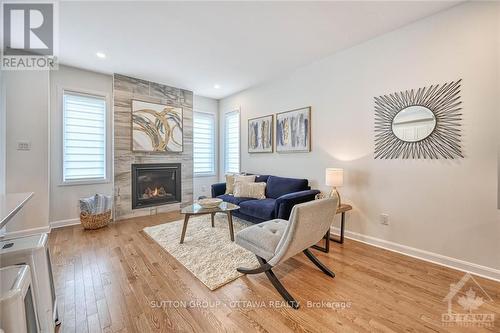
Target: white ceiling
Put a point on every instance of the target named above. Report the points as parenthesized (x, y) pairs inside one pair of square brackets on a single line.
[(195, 45)]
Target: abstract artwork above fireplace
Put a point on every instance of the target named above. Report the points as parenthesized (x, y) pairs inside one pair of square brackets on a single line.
[(155, 184), (156, 128)]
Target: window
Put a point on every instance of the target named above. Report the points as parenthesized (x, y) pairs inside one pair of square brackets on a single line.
[(84, 137), (232, 142), (204, 143)]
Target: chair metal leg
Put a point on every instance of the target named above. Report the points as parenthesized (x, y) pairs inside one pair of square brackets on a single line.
[(318, 263), (257, 270), (278, 286)]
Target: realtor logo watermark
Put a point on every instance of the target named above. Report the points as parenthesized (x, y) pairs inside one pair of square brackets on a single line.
[(465, 299), (29, 36), (209, 304)]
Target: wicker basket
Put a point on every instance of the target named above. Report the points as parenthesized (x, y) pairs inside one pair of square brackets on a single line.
[(95, 221)]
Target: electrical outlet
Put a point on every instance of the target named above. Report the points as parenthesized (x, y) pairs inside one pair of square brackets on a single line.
[(384, 219), (23, 145)]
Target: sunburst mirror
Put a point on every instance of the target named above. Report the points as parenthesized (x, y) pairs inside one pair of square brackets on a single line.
[(422, 123)]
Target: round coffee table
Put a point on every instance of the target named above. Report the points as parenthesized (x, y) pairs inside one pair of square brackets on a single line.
[(196, 209)]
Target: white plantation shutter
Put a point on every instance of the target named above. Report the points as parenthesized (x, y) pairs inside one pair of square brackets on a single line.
[(204, 143), (232, 142), (84, 141)]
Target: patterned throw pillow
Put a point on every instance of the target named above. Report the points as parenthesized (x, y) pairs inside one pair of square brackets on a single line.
[(250, 190), (230, 183), (231, 179)]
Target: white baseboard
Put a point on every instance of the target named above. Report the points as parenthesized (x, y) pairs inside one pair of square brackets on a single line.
[(461, 265), (39, 230), (64, 223), (26, 232)]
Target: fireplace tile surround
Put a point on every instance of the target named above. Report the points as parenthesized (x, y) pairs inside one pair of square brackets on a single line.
[(124, 90)]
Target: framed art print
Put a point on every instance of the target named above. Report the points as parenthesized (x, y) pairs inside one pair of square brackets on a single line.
[(260, 135), (293, 131)]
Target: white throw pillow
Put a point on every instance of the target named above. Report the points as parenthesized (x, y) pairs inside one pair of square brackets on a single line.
[(231, 179), (250, 190)]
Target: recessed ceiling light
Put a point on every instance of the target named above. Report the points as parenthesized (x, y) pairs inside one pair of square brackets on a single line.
[(216, 86), (100, 55)]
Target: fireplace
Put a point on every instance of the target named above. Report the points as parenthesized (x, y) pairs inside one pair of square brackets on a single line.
[(155, 184)]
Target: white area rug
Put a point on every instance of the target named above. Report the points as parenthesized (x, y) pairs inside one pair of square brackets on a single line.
[(207, 252)]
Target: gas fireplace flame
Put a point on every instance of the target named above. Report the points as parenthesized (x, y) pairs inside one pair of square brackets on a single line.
[(156, 192)]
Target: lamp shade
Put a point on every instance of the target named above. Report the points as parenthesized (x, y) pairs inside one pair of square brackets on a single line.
[(334, 177)]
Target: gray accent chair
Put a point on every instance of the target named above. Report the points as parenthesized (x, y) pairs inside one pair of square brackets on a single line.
[(277, 240)]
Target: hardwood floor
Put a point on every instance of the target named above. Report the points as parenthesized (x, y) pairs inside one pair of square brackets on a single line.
[(115, 279)]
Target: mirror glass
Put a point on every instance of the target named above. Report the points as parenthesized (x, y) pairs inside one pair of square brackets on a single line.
[(413, 123)]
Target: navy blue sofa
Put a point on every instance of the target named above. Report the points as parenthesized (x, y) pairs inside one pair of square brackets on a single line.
[(281, 195)]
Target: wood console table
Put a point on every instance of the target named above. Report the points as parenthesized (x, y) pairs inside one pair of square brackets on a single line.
[(341, 210)]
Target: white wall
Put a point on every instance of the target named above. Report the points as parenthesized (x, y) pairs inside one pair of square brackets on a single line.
[(442, 206), (64, 206), (202, 184), (2, 133), (27, 106)]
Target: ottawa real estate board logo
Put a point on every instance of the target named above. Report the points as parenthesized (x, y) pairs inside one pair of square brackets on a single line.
[(28, 32), (468, 305)]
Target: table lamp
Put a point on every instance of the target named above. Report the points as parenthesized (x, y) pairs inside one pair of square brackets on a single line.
[(334, 177)]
